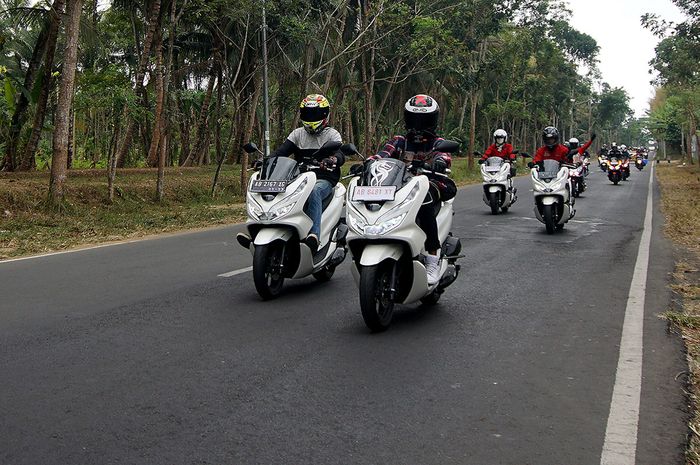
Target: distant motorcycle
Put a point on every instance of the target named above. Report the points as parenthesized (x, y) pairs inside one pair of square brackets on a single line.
[(639, 163), (499, 192), (576, 175), (625, 169), (615, 171), (554, 205), (603, 162)]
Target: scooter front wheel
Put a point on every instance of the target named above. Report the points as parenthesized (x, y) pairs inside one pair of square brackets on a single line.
[(267, 270), (493, 202), (549, 220), (376, 301)]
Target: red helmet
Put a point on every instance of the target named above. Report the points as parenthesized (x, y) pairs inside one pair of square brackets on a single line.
[(421, 114)]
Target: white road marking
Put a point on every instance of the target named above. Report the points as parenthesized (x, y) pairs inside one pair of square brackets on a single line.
[(620, 446), (236, 272)]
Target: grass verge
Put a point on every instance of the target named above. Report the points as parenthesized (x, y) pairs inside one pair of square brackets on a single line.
[(680, 189), (28, 227)]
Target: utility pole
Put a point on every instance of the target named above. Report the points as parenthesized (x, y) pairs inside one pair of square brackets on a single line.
[(266, 96)]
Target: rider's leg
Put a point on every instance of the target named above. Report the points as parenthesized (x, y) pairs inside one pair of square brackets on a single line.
[(320, 192)]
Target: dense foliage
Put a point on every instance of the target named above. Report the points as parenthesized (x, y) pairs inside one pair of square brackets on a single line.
[(180, 81), (675, 110)]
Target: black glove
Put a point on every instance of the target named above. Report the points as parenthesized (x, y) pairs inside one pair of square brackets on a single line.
[(439, 165), (356, 170), (329, 163), (257, 164), (530, 165), (481, 162), (593, 136)]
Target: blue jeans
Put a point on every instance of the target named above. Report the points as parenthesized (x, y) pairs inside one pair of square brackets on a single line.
[(321, 191)]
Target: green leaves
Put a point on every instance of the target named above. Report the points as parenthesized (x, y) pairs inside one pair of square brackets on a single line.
[(10, 93)]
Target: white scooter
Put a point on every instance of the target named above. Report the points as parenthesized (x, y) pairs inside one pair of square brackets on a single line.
[(387, 245), (499, 191), (277, 224), (554, 205)]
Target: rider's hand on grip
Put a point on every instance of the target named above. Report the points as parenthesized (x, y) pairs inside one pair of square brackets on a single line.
[(439, 165), (329, 163), (481, 162), (356, 170)]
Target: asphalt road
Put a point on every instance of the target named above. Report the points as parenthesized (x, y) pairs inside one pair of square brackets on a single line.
[(141, 354)]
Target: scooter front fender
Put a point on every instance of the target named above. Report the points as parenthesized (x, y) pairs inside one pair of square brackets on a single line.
[(549, 200), (374, 254), (268, 235)]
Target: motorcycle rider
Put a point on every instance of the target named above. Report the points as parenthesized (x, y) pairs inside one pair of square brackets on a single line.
[(314, 113), (421, 115), (502, 149), (553, 150)]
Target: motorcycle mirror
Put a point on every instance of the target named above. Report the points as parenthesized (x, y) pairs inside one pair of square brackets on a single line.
[(330, 146), (250, 147), (448, 146), (525, 155), (348, 149)]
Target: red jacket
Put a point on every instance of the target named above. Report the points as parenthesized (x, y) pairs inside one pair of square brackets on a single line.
[(585, 147), (506, 152), (559, 153)]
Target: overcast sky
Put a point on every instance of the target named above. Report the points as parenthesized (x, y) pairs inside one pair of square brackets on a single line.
[(625, 47)]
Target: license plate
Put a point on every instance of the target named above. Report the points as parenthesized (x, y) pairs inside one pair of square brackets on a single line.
[(267, 187), (377, 194)]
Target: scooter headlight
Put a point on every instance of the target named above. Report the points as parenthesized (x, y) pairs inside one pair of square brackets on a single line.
[(356, 222), (254, 210), (385, 226), (277, 212)]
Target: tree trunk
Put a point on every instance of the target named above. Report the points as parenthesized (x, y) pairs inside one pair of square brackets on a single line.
[(153, 152), (165, 124), (10, 161), (153, 20), (28, 156), (65, 101), (249, 130), (201, 134), (472, 131)]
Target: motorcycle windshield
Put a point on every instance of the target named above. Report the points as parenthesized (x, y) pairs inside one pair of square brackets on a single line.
[(494, 163), (551, 169), (385, 172), (279, 169)]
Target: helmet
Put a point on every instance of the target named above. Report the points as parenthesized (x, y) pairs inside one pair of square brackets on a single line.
[(314, 111), (421, 114), (550, 136), (623, 147), (574, 143), (500, 134)]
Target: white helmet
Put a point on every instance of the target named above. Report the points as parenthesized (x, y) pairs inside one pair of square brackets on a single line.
[(574, 143), (500, 134), (623, 147)]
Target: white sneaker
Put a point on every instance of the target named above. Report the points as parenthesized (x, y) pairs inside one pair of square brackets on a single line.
[(432, 266)]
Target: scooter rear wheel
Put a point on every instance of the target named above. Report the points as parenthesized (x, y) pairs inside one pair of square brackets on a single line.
[(493, 202), (375, 296), (267, 265)]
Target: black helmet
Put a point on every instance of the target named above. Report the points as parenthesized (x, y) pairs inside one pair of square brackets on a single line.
[(421, 114), (550, 136)]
